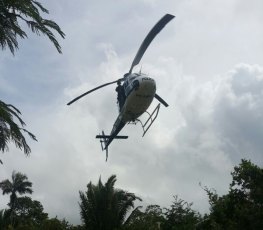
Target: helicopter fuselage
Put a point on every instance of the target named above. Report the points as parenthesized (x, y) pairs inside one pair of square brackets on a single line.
[(139, 90)]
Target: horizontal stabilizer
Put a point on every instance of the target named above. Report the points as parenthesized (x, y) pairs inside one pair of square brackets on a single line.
[(108, 136), (105, 140)]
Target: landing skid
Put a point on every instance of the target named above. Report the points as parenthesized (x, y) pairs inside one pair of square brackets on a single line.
[(148, 123)]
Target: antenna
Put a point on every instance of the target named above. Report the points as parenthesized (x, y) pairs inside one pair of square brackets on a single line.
[(140, 70)]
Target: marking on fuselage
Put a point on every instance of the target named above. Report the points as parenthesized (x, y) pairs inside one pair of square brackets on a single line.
[(147, 79), (143, 96)]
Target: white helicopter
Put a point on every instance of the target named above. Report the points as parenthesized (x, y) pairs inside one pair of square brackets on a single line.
[(135, 94)]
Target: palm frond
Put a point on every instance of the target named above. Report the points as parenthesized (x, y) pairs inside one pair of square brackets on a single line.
[(10, 130), (28, 11), (6, 186), (18, 184), (105, 207), (40, 6), (132, 215), (42, 27)]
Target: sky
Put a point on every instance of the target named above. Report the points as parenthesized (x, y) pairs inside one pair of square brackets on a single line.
[(208, 66)]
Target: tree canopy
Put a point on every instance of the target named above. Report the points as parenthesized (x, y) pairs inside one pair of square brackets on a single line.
[(18, 184), (105, 207), (242, 207), (14, 12)]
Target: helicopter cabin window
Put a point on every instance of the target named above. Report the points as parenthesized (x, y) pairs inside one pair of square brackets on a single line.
[(127, 88), (125, 84)]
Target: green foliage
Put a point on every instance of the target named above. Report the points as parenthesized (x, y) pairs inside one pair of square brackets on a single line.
[(151, 219), (4, 219), (242, 207), (18, 184), (10, 130), (248, 182), (13, 12), (52, 224), (180, 215), (103, 207), (56, 224), (25, 213), (29, 212)]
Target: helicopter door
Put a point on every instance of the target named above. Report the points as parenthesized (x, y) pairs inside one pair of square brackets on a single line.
[(127, 88)]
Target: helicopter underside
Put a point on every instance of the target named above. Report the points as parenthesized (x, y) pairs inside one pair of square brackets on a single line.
[(138, 101)]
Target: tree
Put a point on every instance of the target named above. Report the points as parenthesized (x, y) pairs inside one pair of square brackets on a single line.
[(13, 12), (29, 212), (180, 215), (11, 131), (56, 224), (152, 218), (52, 224), (242, 207), (19, 184), (103, 207), (248, 182)]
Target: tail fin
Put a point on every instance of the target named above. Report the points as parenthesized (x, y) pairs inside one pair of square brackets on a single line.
[(105, 140)]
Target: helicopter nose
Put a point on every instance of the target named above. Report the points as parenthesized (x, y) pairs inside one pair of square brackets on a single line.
[(148, 84)]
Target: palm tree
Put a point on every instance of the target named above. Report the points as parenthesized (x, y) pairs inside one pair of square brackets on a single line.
[(11, 131), (104, 207), (19, 184), (12, 13)]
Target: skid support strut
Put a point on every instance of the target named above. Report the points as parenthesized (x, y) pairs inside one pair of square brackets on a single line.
[(148, 123)]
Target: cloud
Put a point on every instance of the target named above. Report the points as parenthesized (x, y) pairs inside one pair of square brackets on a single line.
[(239, 111), (211, 127), (214, 117)]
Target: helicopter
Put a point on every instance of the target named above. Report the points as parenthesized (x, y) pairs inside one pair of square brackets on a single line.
[(135, 93)]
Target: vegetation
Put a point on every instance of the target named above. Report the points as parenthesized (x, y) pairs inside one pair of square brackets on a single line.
[(242, 207), (10, 130), (12, 14), (180, 215), (19, 184), (25, 213), (151, 218), (103, 206)]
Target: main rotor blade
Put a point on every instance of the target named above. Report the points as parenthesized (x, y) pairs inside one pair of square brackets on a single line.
[(148, 39), (161, 100), (90, 91)]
